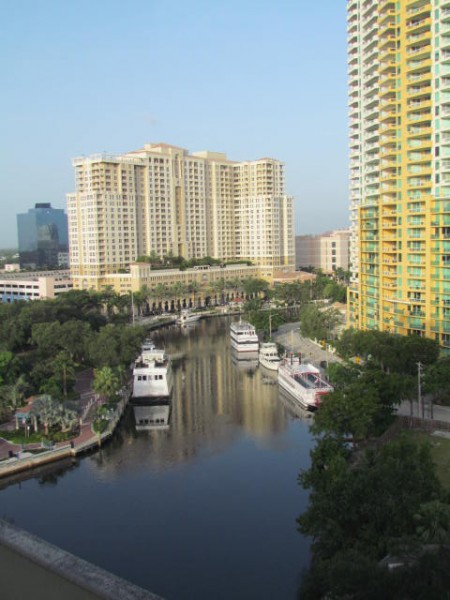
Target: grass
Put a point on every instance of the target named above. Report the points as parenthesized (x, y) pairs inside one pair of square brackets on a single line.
[(440, 453)]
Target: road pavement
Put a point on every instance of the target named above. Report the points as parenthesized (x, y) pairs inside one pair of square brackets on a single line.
[(289, 336)]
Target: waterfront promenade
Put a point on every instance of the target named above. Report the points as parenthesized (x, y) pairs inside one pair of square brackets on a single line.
[(19, 457)]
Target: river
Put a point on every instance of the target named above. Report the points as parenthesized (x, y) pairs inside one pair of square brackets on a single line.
[(202, 507)]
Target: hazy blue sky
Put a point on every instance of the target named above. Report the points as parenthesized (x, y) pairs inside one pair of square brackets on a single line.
[(249, 78)]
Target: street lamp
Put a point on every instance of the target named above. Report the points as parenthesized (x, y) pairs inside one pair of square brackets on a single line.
[(132, 306)]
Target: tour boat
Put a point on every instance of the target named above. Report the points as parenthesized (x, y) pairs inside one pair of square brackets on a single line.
[(268, 356), (148, 344), (303, 382), (187, 316), (243, 337), (152, 374)]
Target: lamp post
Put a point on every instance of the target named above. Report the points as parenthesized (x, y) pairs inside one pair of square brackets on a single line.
[(132, 307), (419, 389)]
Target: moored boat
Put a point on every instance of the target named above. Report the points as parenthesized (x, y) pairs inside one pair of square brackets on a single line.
[(268, 356), (148, 344), (187, 316), (303, 382), (243, 337), (152, 374)]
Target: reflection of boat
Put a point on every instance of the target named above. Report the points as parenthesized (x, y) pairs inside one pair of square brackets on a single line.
[(268, 356), (303, 381), (243, 337), (292, 406), (188, 328), (152, 374), (245, 362), (187, 316), (155, 415)]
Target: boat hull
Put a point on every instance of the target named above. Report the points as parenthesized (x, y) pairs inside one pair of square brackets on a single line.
[(243, 337), (308, 394), (244, 346), (272, 365)]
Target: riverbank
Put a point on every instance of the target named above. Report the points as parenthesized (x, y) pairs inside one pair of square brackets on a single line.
[(20, 458), (15, 458)]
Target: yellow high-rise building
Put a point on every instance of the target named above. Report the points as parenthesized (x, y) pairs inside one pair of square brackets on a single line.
[(161, 200), (399, 110)]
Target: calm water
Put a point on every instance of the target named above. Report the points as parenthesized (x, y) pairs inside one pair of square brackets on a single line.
[(204, 508)]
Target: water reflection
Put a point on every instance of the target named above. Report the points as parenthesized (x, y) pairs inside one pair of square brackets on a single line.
[(215, 395), (245, 361), (152, 415)]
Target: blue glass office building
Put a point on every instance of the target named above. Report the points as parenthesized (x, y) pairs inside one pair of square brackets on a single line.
[(43, 236)]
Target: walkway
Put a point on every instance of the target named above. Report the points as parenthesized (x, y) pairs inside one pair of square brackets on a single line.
[(87, 405), (289, 336)]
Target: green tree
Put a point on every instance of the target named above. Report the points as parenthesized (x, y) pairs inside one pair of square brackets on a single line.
[(193, 288), (367, 505), (348, 414), (64, 371), (106, 382), (433, 522), (254, 286), (13, 395), (6, 366)]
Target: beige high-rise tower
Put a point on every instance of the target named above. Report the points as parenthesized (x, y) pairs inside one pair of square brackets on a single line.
[(161, 200)]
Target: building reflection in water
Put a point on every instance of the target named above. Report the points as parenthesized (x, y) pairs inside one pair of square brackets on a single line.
[(215, 395)]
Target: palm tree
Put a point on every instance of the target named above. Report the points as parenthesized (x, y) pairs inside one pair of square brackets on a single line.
[(139, 299), (64, 369), (218, 287), (47, 411), (177, 290), (106, 381), (12, 396), (234, 284), (67, 419), (108, 299), (433, 522), (193, 288), (161, 291)]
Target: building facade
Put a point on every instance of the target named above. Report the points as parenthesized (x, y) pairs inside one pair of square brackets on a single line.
[(327, 251), (42, 235), (161, 200), (34, 286), (399, 109)]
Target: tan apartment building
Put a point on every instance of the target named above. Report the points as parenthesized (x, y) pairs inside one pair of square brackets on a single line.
[(327, 251), (162, 200), (399, 110)]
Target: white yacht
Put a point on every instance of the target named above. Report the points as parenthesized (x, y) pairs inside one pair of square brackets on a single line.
[(268, 356), (303, 382), (148, 344), (152, 374), (187, 316), (243, 337)]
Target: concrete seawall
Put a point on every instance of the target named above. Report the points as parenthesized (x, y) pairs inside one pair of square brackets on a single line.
[(17, 464), (33, 568)]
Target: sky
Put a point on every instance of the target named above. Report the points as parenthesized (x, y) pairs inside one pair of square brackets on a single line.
[(251, 78)]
